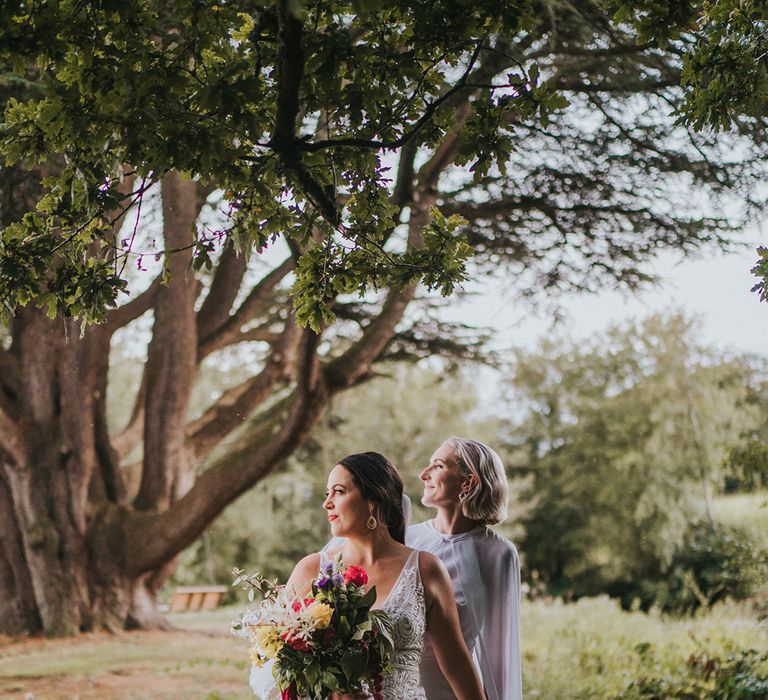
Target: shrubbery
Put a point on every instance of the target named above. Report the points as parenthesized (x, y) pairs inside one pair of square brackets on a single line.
[(712, 564), (736, 677)]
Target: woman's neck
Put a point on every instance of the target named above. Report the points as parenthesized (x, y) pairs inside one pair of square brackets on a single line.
[(367, 549), (451, 521)]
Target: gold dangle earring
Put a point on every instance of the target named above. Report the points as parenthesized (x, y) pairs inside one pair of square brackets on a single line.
[(371, 523)]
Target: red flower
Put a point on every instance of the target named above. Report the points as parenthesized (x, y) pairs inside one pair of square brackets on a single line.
[(296, 605), (289, 693), (356, 574), (296, 643)]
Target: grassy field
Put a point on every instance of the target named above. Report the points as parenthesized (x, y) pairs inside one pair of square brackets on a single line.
[(584, 650), (593, 649)]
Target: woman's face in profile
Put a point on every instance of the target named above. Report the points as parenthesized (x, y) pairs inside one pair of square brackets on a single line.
[(442, 478), (344, 503)]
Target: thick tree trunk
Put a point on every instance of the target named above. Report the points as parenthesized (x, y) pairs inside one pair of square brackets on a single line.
[(49, 487)]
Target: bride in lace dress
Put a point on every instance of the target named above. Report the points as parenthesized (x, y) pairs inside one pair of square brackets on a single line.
[(364, 505)]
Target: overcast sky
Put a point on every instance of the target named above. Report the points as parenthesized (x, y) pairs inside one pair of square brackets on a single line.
[(714, 288)]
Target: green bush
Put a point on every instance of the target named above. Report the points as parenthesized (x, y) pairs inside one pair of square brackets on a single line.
[(737, 677), (588, 650), (713, 564)]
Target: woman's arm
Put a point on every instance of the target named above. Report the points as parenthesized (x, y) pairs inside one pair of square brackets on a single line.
[(443, 627)]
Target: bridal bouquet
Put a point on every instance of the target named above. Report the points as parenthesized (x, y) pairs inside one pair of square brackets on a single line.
[(329, 641)]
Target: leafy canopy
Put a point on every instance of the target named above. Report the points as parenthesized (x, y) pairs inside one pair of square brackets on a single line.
[(293, 109), (724, 50)]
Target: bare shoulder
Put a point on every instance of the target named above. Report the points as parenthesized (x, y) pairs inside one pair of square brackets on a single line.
[(432, 570), (309, 564), (435, 581), (303, 573)]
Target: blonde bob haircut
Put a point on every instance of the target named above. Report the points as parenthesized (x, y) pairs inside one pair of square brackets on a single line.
[(487, 500)]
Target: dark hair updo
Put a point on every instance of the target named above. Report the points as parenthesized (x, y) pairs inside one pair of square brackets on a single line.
[(379, 482)]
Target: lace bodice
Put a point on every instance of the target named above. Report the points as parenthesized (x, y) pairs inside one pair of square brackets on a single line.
[(405, 605)]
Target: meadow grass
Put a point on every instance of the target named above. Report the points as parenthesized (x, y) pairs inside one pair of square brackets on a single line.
[(593, 649), (199, 660), (588, 649)]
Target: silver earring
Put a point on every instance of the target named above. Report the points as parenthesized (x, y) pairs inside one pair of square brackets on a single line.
[(463, 496)]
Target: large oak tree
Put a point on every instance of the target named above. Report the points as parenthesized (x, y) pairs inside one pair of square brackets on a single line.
[(339, 128)]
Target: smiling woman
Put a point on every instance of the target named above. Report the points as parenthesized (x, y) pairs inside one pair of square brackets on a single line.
[(382, 489), (465, 481)]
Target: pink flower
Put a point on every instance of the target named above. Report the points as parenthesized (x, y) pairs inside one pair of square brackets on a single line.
[(356, 575)]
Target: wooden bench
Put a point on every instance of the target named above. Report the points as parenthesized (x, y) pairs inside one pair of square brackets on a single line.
[(192, 598)]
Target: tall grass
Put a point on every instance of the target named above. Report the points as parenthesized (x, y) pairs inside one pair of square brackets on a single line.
[(593, 649)]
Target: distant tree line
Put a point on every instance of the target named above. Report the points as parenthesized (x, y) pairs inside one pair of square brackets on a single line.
[(619, 451)]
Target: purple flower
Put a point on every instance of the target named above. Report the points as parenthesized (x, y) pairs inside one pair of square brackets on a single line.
[(323, 582), (327, 568), (338, 580)]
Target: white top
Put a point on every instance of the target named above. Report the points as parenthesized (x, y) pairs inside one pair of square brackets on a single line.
[(485, 571)]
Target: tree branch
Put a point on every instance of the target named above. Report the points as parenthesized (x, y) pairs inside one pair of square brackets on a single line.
[(458, 88), (284, 141), (172, 355), (351, 366), (153, 539), (223, 291), (255, 303), (235, 405), (11, 439), (131, 434), (123, 315), (9, 372)]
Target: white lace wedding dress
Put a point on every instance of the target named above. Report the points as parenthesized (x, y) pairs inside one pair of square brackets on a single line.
[(406, 607)]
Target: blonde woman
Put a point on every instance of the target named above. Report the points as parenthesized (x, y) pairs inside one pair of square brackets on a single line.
[(466, 483)]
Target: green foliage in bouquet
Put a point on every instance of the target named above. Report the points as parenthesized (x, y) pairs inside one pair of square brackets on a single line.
[(330, 641)]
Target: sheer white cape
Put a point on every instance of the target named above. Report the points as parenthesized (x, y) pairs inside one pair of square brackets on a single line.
[(485, 571)]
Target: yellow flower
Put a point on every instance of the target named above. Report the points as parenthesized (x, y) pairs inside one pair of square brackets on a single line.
[(267, 640), (256, 658), (321, 614)]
